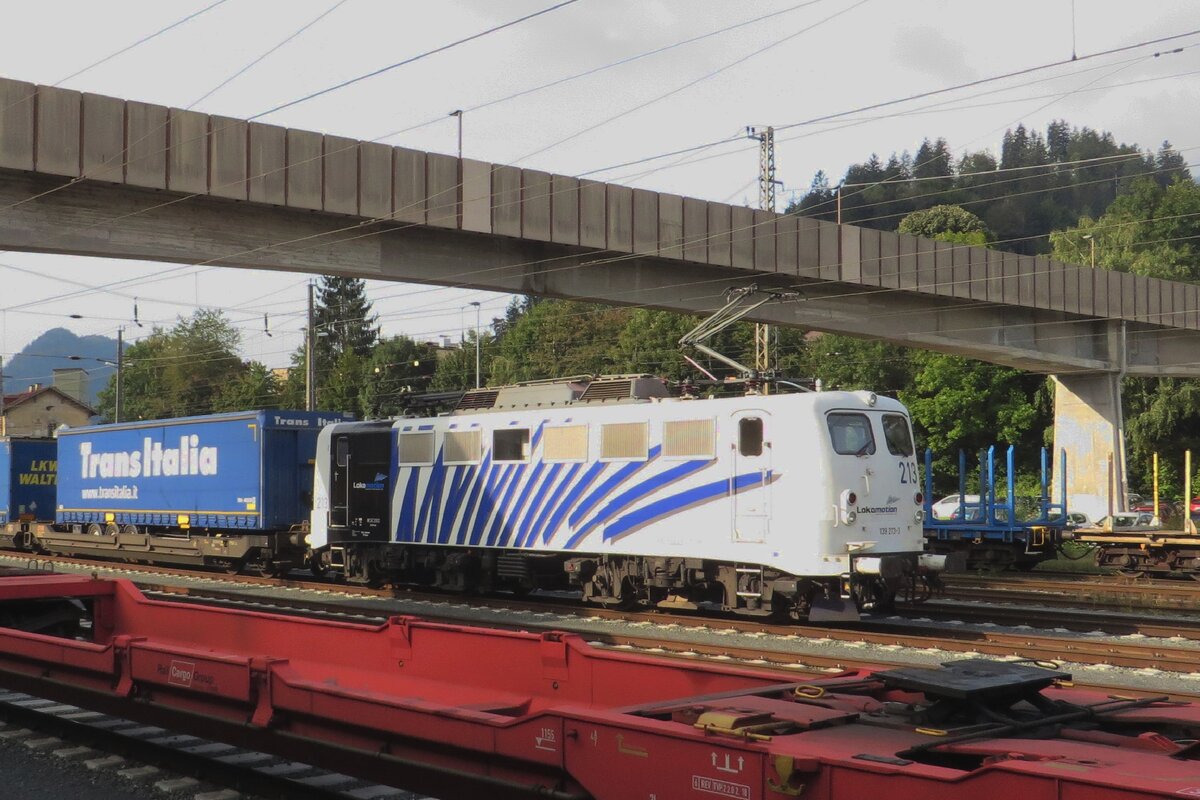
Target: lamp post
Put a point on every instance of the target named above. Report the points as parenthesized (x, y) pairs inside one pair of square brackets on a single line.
[(458, 113), (1091, 239), (476, 304), (117, 401)]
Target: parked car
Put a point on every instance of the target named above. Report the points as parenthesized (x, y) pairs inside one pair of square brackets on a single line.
[(1146, 506), (952, 507), (1130, 520), (1077, 519)]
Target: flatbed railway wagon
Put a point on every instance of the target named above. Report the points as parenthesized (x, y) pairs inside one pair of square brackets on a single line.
[(28, 478), (229, 491)]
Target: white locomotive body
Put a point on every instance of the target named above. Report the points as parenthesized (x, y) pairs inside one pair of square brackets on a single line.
[(779, 503)]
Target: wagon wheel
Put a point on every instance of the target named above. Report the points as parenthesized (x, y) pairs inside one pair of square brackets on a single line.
[(270, 570), (1131, 573), (95, 529)]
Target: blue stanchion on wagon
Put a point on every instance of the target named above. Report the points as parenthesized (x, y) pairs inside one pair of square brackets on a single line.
[(996, 532)]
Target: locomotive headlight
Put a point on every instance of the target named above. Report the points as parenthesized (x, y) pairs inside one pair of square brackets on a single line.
[(846, 507)]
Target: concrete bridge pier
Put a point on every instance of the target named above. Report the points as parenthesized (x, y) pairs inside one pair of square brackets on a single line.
[(1089, 425)]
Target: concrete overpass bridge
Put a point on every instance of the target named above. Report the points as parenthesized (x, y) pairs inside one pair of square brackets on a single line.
[(92, 175)]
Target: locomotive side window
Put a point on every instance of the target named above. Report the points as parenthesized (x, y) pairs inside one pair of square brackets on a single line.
[(750, 436), (510, 444), (851, 434), (624, 441), (343, 451), (462, 447), (693, 438), (565, 443), (896, 434), (416, 449)]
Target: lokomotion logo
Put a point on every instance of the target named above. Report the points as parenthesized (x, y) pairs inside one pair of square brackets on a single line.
[(376, 485), (152, 461)]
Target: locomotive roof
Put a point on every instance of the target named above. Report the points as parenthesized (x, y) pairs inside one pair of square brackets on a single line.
[(606, 390), (589, 389)]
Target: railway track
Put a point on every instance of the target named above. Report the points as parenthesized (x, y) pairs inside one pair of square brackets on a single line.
[(900, 635), (770, 640), (175, 764), (1100, 592)]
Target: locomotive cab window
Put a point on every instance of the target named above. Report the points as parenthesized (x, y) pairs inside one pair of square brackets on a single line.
[(750, 436), (343, 451), (896, 434), (510, 444), (851, 434)]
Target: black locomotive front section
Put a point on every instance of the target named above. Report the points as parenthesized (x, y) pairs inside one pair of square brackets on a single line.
[(361, 486)]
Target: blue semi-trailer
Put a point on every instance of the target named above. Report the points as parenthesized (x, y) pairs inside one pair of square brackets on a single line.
[(224, 490), (27, 482)]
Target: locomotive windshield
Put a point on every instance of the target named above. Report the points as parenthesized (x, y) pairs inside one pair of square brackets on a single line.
[(851, 434), (896, 434)]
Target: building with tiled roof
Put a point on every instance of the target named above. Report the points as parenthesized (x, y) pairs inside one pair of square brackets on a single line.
[(40, 410)]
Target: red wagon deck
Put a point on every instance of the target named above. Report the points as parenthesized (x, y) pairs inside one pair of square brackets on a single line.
[(450, 709)]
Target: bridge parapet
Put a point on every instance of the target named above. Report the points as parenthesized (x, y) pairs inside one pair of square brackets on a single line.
[(80, 136)]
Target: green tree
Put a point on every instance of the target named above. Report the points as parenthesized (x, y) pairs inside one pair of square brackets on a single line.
[(947, 223), (177, 372), (1150, 230), (649, 342), (556, 339), (341, 388), (255, 387), (456, 368), (960, 403), (851, 363), (344, 319), (397, 368)]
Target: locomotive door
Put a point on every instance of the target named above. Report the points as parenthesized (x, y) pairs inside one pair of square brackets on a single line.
[(360, 487), (750, 482), (339, 485)]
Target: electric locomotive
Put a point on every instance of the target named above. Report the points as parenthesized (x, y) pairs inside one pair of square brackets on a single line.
[(795, 505)]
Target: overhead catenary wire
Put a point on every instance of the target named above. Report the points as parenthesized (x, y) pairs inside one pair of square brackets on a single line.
[(267, 54), (412, 59), (139, 42), (689, 84)]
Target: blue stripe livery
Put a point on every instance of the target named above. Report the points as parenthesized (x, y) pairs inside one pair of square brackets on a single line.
[(518, 504), (655, 511), (635, 493)]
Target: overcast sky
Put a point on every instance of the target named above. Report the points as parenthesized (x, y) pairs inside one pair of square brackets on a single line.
[(854, 53)]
